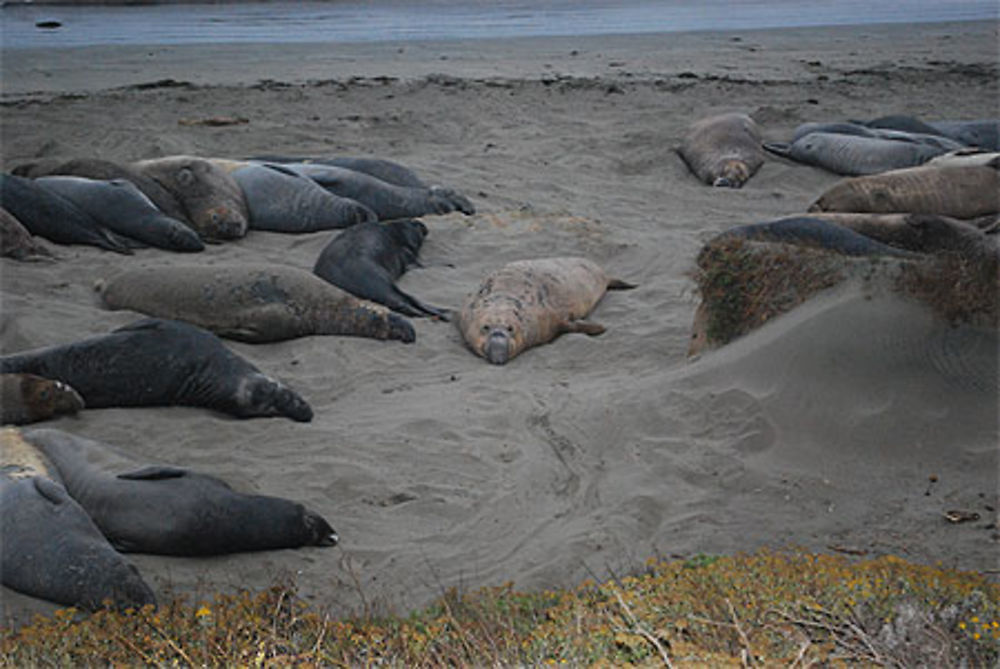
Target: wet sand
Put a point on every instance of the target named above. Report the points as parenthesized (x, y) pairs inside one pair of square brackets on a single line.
[(590, 455)]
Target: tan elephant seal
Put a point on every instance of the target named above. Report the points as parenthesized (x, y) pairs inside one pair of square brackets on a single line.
[(959, 192), (252, 304), (212, 200), (723, 150), (531, 302)]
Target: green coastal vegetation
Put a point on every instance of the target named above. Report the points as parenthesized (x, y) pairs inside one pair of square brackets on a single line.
[(770, 608)]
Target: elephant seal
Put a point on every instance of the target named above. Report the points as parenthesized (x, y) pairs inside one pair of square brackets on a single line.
[(723, 150), (166, 510), (531, 302), (982, 133), (902, 123), (119, 205), (52, 216), (959, 192), (921, 233), (252, 304), (854, 155), (380, 168), (967, 158), (387, 200), (367, 259), (815, 232), (154, 362), (106, 170), (281, 200), (17, 243), (212, 200), (936, 141), (27, 398), (49, 546)]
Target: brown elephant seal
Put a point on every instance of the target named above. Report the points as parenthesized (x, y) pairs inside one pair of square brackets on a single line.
[(155, 362), (959, 192), (531, 302), (17, 243), (49, 547), (27, 398), (212, 200), (252, 304), (723, 150), (167, 510)]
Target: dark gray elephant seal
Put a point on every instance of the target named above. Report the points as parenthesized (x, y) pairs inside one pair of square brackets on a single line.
[(156, 362), (723, 150), (49, 546), (167, 510), (903, 123), (380, 168), (27, 398), (252, 304), (106, 170), (367, 259), (387, 200), (853, 155), (119, 205), (52, 216), (212, 200), (959, 192), (982, 133), (17, 243), (922, 233), (531, 302), (846, 128), (815, 232), (281, 200)]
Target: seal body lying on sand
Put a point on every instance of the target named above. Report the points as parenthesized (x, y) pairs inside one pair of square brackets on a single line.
[(49, 546), (857, 129), (967, 158), (27, 398), (253, 304), (212, 200), (52, 216), (854, 155), (281, 200), (959, 192), (367, 259), (120, 206), (17, 243), (380, 168), (156, 362), (723, 150), (387, 200), (170, 510), (531, 302), (807, 231), (983, 133), (923, 233)]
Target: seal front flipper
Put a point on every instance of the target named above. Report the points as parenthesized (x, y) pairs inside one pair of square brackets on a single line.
[(779, 148), (583, 327), (618, 284), (50, 490), (154, 473)]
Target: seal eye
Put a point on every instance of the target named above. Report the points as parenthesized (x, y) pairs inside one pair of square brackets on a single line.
[(510, 329), (485, 329)]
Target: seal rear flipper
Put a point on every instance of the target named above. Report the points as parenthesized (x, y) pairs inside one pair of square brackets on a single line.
[(779, 148), (422, 309), (154, 473), (583, 327), (618, 284)]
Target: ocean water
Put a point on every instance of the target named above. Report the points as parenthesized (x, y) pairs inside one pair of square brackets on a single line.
[(396, 20)]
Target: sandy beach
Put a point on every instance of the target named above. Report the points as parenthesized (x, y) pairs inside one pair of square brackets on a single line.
[(588, 456)]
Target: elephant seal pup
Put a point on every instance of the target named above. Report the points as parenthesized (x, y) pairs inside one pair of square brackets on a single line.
[(53, 216), (387, 200), (380, 168), (723, 150), (212, 200), (49, 546), (281, 200), (165, 510), (252, 304), (982, 133), (17, 243), (959, 192), (854, 155), (367, 259), (922, 233), (936, 141), (120, 206), (106, 170), (531, 302), (27, 398), (806, 231), (902, 123), (967, 158), (154, 362)]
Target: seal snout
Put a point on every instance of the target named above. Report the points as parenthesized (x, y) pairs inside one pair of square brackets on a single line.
[(497, 347)]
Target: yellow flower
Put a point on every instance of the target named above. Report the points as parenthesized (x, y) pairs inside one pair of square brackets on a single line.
[(202, 612), (961, 626)]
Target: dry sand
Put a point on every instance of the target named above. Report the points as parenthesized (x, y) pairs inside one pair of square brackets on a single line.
[(587, 456)]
